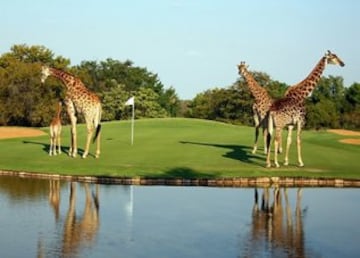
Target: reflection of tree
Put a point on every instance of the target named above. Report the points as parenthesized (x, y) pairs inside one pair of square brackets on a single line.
[(20, 190), (80, 230), (273, 230)]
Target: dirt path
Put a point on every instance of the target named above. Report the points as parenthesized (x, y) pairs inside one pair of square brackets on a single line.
[(343, 132), (13, 132)]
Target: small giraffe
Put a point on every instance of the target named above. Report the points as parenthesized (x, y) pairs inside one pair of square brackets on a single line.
[(261, 104), (290, 110), (78, 99), (55, 132)]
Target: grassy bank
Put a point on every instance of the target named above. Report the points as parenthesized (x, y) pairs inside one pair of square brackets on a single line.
[(185, 148)]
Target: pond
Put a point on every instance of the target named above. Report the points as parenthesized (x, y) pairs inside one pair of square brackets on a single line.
[(47, 218)]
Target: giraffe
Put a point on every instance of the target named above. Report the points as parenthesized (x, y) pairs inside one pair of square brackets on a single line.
[(55, 132), (78, 99), (261, 105), (290, 110)]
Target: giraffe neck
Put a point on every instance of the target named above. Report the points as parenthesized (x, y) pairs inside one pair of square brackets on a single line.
[(258, 92), (69, 80), (305, 87)]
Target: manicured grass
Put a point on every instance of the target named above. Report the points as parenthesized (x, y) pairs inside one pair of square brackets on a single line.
[(187, 148)]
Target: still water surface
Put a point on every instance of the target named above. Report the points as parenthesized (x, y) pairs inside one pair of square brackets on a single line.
[(41, 218)]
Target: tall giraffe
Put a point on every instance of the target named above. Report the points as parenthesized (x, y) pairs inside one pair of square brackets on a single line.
[(55, 132), (290, 109), (78, 99), (261, 105)]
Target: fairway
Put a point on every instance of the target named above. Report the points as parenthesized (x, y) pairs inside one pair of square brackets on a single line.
[(180, 148)]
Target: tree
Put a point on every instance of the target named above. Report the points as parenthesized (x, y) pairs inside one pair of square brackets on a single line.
[(351, 117), (105, 75), (322, 114), (23, 100), (231, 104), (113, 102), (326, 104), (146, 104)]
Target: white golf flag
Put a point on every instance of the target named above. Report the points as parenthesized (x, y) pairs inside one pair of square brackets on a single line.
[(130, 102)]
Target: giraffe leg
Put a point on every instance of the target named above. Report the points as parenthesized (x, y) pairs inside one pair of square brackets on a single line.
[(288, 144), (97, 127), (71, 113), (54, 145), (51, 146), (280, 150), (270, 127), (59, 138), (257, 124), (276, 145), (298, 139), (90, 131), (265, 136), (59, 143), (256, 139), (97, 154), (73, 148), (268, 156)]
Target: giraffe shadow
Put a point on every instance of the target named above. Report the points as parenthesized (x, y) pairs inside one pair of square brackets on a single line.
[(46, 147), (237, 152)]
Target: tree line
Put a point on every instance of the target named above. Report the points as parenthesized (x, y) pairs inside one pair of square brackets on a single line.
[(24, 101), (330, 105)]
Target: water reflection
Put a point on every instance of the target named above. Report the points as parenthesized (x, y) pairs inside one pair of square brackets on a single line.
[(78, 230), (69, 219), (275, 228), (82, 230), (54, 197)]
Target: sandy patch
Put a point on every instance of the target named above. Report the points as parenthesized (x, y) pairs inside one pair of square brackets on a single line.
[(14, 132), (351, 141), (344, 132), (347, 133)]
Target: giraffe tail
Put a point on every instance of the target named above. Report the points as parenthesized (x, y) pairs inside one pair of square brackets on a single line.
[(270, 129), (270, 124), (97, 123), (97, 132)]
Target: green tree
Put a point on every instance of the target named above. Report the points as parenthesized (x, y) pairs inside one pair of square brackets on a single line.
[(351, 117), (322, 114), (325, 107), (105, 75), (146, 104), (231, 104), (113, 102), (23, 100)]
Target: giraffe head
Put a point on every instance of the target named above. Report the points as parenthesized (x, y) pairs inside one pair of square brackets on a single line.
[(45, 72), (331, 58), (242, 67)]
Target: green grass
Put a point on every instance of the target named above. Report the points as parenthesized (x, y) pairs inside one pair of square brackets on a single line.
[(187, 148)]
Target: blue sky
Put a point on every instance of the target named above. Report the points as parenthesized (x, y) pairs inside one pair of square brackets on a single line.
[(193, 45)]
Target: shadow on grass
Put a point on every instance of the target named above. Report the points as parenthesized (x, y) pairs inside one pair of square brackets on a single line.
[(64, 149), (183, 172), (237, 152), (189, 173)]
